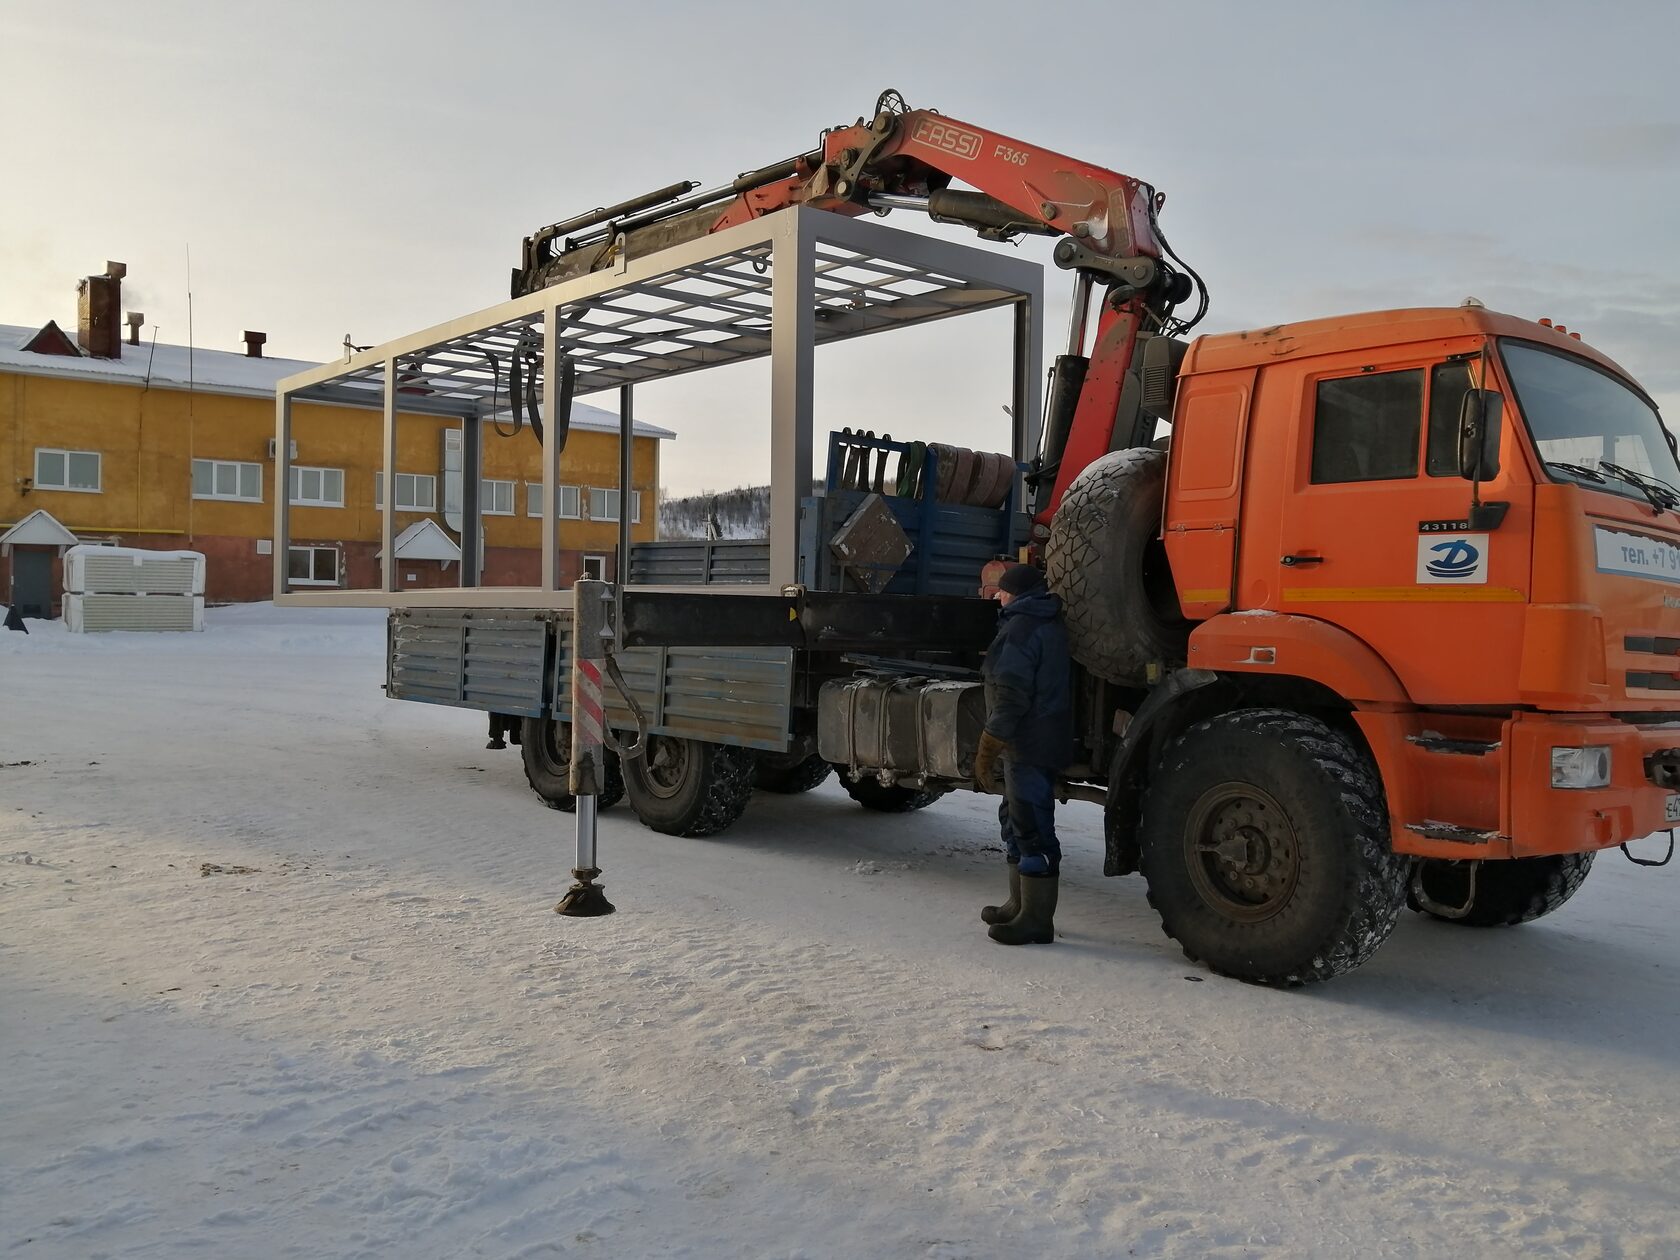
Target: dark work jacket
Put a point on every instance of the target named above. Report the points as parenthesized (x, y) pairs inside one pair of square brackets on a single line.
[(1029, 692)]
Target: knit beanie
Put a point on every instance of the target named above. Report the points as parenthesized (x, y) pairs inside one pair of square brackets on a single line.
[(1021, 579)]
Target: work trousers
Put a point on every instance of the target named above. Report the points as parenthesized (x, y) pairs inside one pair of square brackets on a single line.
[(1027, 818)]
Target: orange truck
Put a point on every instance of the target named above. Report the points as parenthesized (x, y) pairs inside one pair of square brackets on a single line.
[(1408, 608), (1367, 611)]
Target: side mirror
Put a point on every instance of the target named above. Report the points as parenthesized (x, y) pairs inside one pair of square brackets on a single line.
[(1479, 423)]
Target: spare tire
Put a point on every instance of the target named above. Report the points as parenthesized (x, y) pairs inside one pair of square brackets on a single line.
[(1106, 560)]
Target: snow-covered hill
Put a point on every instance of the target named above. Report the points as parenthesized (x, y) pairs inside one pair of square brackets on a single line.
[(279, 977)]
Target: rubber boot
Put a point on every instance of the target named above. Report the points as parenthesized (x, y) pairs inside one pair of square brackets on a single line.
[(1035, 925), (1009, 909)]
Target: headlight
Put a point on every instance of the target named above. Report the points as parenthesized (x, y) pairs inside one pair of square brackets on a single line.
[(1581, 767)]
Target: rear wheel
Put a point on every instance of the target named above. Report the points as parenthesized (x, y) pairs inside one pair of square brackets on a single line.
[(545, 746), (777, 774), (1265, 843), (687, 787), (888, 798), (1504, 894)]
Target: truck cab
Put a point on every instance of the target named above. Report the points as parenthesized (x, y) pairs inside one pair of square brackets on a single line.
[(1510, 645)]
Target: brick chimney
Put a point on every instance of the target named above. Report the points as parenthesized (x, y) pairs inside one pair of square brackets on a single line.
[(99, 313), (135, 319), (254, 342)]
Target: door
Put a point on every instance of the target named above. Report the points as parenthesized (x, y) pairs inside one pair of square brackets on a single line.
[(32, 581), (1374, 536)]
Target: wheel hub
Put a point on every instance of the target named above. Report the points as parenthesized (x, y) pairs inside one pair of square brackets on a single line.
[(1242, 851), (667, 765)]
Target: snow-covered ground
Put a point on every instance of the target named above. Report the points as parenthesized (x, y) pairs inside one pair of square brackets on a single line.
[(370, 1036)]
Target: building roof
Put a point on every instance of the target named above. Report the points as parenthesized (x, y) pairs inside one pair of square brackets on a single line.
[(424, 540), (214, 372), (39, 529)]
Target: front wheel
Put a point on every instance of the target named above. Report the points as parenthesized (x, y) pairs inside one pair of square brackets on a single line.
[(545, 746), (1503, 894), (1265, 844), (687, 787)]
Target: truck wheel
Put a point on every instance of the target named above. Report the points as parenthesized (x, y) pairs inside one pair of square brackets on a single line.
[(545, 746), (1105, 559), (889, 798), (1520, 890), (1266, 847), (777, 775), (687, 787)]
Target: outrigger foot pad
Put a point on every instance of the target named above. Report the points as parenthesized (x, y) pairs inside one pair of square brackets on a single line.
[(585, 899)]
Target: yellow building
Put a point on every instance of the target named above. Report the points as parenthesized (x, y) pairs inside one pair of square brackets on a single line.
[(157, 446)]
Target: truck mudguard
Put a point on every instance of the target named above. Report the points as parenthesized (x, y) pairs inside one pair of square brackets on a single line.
[(1284, 645)]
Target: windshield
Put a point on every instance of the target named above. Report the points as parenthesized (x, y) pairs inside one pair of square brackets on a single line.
[(1583, 417)]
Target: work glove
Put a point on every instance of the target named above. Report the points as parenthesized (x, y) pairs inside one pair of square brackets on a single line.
[(986, 776)]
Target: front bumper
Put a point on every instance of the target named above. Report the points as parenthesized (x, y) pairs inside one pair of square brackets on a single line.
[(1542, 819), (1464, 786)]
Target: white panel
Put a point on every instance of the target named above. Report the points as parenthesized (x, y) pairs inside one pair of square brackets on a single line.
[(132, 571), (90, 614)]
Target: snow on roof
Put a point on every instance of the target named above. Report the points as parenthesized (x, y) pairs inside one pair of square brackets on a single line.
[(215, 372)]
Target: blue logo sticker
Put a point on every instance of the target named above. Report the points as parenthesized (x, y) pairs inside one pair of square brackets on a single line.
[(1455, 559)]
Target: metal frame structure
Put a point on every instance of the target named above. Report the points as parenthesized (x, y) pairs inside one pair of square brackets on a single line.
[(776, 287)]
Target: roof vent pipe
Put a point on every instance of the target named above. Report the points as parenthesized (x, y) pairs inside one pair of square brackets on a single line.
[(254, 342), (135, 319)]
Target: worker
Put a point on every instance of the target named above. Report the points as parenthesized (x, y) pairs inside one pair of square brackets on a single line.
[(1029, 729)]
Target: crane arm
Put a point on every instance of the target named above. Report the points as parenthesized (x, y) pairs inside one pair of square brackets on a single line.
[(907, 159)]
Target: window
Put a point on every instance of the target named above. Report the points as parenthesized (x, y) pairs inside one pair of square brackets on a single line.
[(1366, 428), (416, 492), (595, 567), (1579, 413), (67, 470), (571, 501), (224, 479), (312, 566), (318, 487), (495, 498), (1448, 383), (603, 504)]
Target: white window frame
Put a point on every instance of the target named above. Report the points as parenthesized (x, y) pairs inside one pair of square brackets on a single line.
[(596, 495), (635, 504), (239, 467), (487, 496), (338, 566), (296, 478), (98, 471), (379, 491), (533, 501), (600, 563)]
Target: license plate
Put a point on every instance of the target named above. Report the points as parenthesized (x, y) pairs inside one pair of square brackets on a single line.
[(1671, 809)]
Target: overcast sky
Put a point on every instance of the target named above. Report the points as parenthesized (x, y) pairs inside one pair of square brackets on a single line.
[(371, 169)]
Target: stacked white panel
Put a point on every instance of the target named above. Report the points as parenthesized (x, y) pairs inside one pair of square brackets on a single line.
[(131, 588)]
